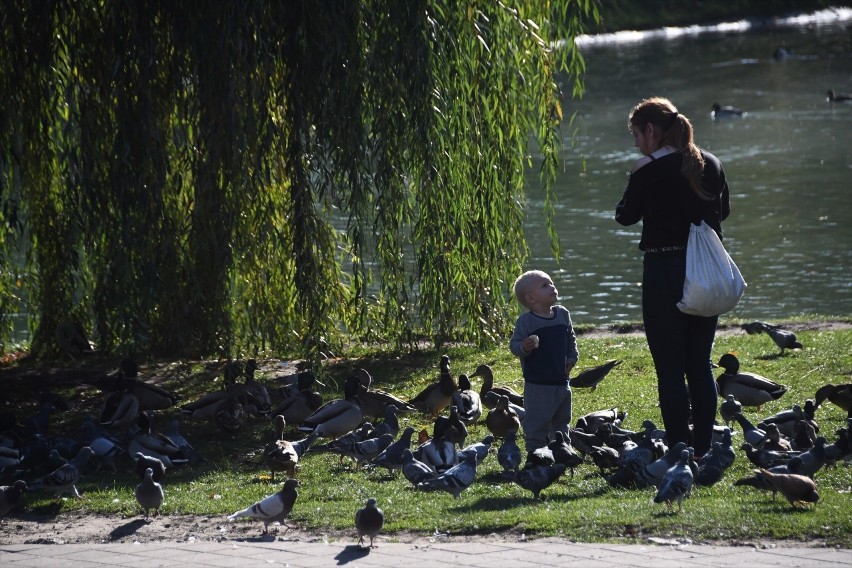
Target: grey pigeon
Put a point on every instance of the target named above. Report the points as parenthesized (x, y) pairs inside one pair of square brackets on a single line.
[(390, 425), (302, 446), (563, 452), (729, 408), (538, 478), (273, 508), (454, 480), (64, 479), (415, 470), (677, 483), (391, 457), (653, 473), (10, 495), (752, 434), (368, 521), (144, 462), (364, 451), (438, 453), (813, 459), (765, 458), (509, 454), (480, 448), (592, 377), (783, 339), (710, 469), (149, 494)]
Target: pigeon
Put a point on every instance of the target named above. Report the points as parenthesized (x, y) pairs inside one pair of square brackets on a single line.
[(481, 449), (758, 480), (653, 473), (364, 451), (368, 522), (454, 480), (785, 420), (149, 494), (592, 377), (415, 470), (64, 479), (604, 457), (509, 454), (10, 495), (390, 424), (813, 459), (144, 462), (783, 339), (795, 488), (752, 434), (764, 458), (710, 468), (677, 483), (273, 508), (538, 478), (563, 452), (392, 456), (729, 408), (757, 327)]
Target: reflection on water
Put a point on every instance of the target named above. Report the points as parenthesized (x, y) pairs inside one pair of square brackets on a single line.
[(788, 163)]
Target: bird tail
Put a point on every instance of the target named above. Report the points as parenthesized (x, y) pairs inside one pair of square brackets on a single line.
[(244, 513)]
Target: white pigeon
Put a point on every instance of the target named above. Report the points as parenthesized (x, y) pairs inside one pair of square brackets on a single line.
[(273, 508), (149, 494), (454, 480), (677, 483), (369, 521), (64, 478)]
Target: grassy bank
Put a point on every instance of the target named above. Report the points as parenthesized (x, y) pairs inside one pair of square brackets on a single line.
[(648, 14), (582, 508)]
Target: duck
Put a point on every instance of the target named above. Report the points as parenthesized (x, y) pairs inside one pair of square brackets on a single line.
[(457, 429), (785, 420), (230, 415), (833, 97), (280, 453), (339, 416), (590, 378), (774, 440), (720, 111), (151, 397), (467, 401), (840, 395), (438, 395), (301, 403), (591, 421), (439, 453), (257, 402), (204, 408), (374, 402), (120, 410), (487, 375), (750, 389), (489, 400), (502, 419)]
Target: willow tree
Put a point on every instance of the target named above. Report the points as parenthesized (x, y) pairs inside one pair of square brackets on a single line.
[(229, 177)]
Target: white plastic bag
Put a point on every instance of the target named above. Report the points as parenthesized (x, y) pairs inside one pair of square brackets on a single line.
[(713, 283)]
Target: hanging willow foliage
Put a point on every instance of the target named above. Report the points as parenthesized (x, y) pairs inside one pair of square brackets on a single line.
[(229, 177)]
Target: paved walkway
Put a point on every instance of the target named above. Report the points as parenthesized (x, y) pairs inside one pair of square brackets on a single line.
[(543, 552)]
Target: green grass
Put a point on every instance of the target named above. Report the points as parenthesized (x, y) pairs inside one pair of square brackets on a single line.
[(582, 508)]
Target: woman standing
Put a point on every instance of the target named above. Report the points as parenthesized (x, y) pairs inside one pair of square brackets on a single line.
[(674, 184)]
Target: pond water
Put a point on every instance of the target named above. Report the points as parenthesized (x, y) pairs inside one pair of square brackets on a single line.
[(788, 161)]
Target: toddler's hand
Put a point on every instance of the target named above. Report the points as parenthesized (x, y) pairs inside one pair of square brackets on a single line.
[(530, 343)]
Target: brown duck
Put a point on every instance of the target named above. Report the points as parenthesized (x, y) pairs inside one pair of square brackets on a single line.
[(437, 396), (280, 454), (502, 419), (487, 375)]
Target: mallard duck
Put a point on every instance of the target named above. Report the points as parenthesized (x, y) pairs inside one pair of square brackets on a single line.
[(302, 402), (257, 400), (374, 402), (489, 400), (339, 416), (727, 111), (592, 377), (279, 453), (502, 419), (750, 389), (231, 414), (590, 422), (437, 396), (841, 395), (120, 410), (784, 420), (833, 97), (467, 401), (205, 407), (774, 440), (487, 375)]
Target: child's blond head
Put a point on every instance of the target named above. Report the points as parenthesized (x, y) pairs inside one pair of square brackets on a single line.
[(524, 281)]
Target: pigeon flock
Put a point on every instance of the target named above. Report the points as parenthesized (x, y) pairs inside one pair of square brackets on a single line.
[(787, 449)]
